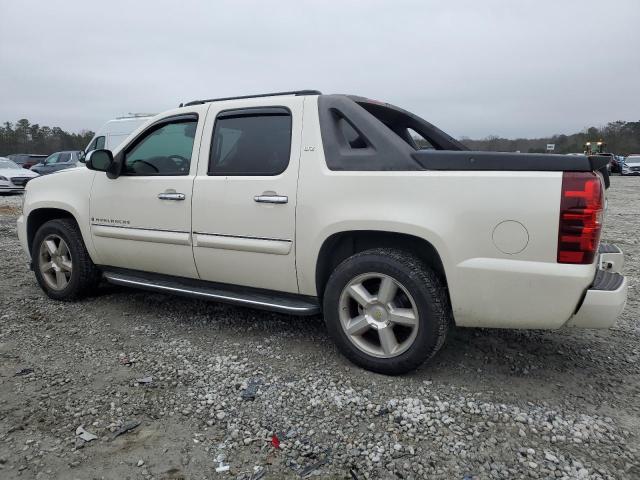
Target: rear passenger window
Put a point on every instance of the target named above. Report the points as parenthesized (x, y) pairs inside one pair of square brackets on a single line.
[(254, 141)]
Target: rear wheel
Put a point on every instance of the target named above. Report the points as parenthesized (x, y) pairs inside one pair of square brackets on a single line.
[(386, 310), (61, 262)]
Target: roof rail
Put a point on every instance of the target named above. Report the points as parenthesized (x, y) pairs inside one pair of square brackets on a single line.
[(275, 94)]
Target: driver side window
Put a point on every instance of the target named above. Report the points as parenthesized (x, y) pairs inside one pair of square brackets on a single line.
[(163, 150)]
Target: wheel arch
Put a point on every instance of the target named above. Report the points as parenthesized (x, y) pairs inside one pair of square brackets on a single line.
[(340, 246), (39, 217)]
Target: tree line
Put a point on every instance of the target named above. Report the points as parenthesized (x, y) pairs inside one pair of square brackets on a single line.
[(622, 138), (24, 137)]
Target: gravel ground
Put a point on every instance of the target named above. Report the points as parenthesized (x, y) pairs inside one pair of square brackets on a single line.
[(493, 403)]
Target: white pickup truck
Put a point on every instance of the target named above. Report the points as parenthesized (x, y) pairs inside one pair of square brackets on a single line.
[(305, 203)]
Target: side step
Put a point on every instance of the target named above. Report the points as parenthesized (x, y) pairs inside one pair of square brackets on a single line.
[(219, 292), (608, 248), (611, 258), (607, 281)]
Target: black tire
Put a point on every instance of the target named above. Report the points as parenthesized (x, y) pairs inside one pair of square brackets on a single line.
[(429, 295), (84, 277)]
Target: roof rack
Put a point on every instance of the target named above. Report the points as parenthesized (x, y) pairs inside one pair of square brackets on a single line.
[(275, 94)]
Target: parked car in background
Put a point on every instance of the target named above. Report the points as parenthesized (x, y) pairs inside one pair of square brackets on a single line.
[(631, 165), (26, 160), (115, 131), (614, 164), (13, 177), (58, 161)]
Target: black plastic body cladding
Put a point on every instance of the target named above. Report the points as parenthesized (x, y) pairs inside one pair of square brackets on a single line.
[(380, 141)]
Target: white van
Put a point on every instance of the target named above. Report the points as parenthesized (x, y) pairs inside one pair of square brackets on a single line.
[(115, 131)]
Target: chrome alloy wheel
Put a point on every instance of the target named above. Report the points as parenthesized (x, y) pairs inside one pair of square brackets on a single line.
[(55, 262), (378, 315)]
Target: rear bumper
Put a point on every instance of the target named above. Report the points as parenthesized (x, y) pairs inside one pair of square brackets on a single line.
[(606, 298)]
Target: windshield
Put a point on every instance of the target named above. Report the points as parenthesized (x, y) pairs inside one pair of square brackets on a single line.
[(635, 160), (5, 164)]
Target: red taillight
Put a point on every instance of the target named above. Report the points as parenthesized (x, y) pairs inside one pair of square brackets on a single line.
[(581, 208)]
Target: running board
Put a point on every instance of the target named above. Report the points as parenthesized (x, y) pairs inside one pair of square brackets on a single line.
[(244, 296)]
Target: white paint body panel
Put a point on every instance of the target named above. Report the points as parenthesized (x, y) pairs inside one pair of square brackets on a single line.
[(457, 213), (68, 190), (132, 228), (153, 223), (219, 233), (257, 248)]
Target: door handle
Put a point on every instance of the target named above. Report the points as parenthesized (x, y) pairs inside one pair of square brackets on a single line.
[(171, 196), (271, 198)]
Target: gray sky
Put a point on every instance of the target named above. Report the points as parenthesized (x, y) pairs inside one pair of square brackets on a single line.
[(474, 68)]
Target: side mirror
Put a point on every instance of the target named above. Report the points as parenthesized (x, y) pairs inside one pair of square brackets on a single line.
[(99, 160), (81, 155)]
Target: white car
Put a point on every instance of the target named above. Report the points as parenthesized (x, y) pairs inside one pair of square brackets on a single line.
[(306, 203), (631, 165), (13, 177)]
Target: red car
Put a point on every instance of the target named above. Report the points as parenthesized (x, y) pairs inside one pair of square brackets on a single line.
[(26, 160)]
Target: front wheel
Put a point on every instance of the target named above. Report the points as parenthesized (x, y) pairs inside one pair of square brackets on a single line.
[(386, 310), (61, 262)]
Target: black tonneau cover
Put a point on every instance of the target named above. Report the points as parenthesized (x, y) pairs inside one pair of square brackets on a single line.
[(469, 160), (511, 162)]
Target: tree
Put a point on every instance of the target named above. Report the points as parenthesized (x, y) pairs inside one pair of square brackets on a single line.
[(23, 137), (621, 138)]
